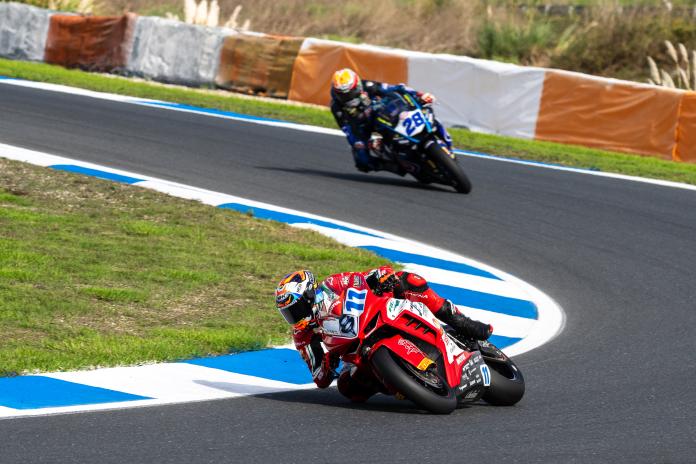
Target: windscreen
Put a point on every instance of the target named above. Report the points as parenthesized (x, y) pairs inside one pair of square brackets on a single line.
[(391, 106)]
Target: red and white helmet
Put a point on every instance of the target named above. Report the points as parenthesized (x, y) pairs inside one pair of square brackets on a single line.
[(346, 85)]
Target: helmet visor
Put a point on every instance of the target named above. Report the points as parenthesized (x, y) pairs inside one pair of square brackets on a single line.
[(351, 97), (296, 311)]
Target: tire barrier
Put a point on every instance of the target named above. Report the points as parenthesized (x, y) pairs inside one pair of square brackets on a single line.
[(484, 96), (175, 52), (93, 43), (23, 31), (607, 113), (686, 129), (257, 63)]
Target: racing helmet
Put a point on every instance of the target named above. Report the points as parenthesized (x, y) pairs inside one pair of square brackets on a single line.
[(347, 86), (295, 296)]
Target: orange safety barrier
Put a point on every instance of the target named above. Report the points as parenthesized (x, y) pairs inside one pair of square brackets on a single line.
[(318, 60), (259, 64), (95, 43), (686, 131), (609, 114)]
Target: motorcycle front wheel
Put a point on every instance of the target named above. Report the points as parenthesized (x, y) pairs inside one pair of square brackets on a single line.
[(450, 168), (415, 388), (507, 383)]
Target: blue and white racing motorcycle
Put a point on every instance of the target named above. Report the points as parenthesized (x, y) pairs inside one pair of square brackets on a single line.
[(411, 140)]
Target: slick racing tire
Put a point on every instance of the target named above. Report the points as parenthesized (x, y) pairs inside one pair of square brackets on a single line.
[(397, 377), (507, 383), (449, 165)]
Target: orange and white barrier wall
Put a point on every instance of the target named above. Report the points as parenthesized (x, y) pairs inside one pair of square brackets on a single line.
[(517, 101), (484, 96)]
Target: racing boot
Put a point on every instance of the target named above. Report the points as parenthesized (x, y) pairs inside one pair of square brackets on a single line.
[(464, 326)]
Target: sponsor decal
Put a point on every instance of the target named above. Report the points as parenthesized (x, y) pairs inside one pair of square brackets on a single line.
[(394, 308), (451, 348), (461, 359), (417, 308), (344, 327), (485, 372), (357, 280), (348, 325), (472, 394), (425, 363), (283, 300), (410, 347)]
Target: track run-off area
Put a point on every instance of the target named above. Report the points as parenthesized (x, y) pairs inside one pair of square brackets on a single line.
[(616, 254)]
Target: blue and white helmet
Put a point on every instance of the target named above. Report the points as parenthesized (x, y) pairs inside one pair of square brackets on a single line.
[(295, 297)]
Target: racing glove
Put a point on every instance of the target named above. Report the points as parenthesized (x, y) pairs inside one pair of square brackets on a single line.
[(375, 143), (426, 98), (381, 280)]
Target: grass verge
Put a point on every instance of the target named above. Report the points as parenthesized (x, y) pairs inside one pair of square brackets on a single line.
[(96, 273), (568, 155)]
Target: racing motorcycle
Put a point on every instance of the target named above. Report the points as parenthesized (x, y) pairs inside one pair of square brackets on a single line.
[(411, 141), (413, 355)]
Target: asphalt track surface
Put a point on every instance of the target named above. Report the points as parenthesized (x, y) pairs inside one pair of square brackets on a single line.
[(618, 384)]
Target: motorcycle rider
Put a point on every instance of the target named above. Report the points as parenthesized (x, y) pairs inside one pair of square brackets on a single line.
[(299, 298), (351, 98)]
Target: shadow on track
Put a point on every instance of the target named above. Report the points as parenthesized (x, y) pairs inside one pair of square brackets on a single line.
[(364, 178), (333, 399), (327, 398)]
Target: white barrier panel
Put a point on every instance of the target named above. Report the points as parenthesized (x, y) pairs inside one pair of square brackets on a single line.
[(485, 96), (175, 52), (23, 31)]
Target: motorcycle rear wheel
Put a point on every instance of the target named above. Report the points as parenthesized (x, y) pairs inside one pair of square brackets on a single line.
[(396, 376), (445, 162)]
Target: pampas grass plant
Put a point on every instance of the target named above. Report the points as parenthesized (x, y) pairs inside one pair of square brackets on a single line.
[(684, 74), (79, 6)]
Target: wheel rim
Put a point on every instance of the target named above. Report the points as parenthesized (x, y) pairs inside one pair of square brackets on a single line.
[(429, 378)]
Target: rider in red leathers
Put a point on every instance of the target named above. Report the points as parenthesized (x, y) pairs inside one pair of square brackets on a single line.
[(299, 297)]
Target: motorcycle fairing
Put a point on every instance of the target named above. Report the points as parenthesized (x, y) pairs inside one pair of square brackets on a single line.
[(407, 350), (475, 375)]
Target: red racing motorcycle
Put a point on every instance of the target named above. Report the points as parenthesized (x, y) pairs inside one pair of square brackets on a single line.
[(413, 354)]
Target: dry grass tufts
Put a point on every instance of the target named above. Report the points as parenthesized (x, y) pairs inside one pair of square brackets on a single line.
[(683, 75)]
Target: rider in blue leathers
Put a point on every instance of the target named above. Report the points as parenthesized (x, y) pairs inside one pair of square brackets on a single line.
[(350, 104)]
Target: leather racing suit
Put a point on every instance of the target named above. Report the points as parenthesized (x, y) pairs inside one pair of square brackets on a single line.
[(353, 383), (357, 122)]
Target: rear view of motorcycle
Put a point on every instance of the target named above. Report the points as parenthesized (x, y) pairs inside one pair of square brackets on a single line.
[(410, 139)]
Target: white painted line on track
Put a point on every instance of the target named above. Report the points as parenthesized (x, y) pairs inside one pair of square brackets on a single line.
[(645, 180), (314, 129)]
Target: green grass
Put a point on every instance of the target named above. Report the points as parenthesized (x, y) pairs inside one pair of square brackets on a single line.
[(568, 155), (95, 273)]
